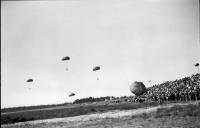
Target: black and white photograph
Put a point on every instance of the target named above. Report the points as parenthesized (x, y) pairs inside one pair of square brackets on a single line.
[(100, 64)]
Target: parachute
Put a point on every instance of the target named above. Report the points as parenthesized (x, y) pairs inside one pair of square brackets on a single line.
[(29, 80), (137, 88), (72, 94), (96, 68), (196, 65), (65, 58)]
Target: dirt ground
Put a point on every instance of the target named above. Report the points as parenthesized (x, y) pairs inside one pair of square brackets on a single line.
[(116, 119)]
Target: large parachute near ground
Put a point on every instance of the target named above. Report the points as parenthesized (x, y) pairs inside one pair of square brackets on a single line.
[(72, 94), (96, 68), (29, 80), (137, 88)]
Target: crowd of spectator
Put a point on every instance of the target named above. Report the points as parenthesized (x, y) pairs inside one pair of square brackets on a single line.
[(185, 89)]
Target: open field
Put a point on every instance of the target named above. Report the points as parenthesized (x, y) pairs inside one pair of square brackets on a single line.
[(14, 109), (169, 115), (67, 111)]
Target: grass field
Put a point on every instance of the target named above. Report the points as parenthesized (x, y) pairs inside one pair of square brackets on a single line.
[(175, 115), (175, 111), (68, 111), (14, 109)]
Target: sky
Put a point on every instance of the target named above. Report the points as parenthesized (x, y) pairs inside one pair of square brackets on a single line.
[(138, 40)]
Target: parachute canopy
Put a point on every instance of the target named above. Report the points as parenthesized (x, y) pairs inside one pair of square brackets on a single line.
[(72, 94), (137, 88), (65, 58), (29, 80), (96, 68), (197, 64)]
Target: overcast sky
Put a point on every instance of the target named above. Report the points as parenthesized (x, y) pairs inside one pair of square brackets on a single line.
[(131, 40)]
